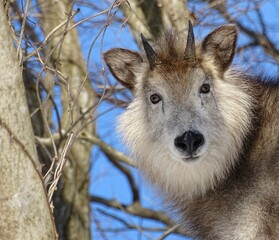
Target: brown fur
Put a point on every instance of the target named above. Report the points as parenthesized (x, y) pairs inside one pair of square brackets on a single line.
[(253, 184), (239, 201)]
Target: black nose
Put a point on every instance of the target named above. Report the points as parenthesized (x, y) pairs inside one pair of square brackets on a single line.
[(189, 141)]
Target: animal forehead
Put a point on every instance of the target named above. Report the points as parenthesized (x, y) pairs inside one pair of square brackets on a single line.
[(178, 75)]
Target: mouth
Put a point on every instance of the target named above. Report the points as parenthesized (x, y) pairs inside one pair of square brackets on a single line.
[(190, 158), (186, 158)]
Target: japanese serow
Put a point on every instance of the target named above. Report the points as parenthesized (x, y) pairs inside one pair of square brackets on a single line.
[(205, 133)]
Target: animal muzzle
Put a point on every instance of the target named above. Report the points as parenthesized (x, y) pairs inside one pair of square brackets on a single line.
[(189, 142)]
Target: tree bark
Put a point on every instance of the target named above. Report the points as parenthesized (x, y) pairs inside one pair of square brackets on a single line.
[(152, 18), (25, 212)]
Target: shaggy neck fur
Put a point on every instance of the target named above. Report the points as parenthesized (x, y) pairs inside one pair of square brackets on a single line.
[(193, 179)]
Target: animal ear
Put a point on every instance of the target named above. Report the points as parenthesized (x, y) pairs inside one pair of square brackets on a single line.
[(220, 45), (123, 65)]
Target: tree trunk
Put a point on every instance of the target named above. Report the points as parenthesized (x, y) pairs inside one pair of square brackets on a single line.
[(25, 212), (153, 18)]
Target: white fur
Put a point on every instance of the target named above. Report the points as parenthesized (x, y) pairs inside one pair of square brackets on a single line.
[(189, 179)]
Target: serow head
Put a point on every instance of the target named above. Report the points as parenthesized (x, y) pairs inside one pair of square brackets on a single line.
[(183, 96), (190, 112)]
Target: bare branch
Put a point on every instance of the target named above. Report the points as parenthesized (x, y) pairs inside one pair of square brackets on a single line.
[(128, 225), (169, 231), (134, 209), (108, 150)]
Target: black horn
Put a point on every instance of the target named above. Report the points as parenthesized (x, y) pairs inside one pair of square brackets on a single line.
[(190, 54), (150, 53)]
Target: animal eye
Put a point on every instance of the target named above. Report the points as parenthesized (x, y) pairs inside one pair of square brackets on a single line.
[(155, 98), (205, 88)]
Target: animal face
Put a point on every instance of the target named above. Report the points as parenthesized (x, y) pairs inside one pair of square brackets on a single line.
[(179, 102), (188, 119)]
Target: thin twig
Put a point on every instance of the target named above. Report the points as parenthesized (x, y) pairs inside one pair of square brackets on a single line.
[(22, 31)]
